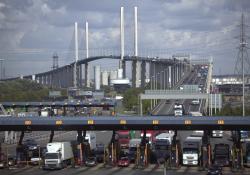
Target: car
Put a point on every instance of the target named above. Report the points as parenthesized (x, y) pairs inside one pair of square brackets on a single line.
[(195, 102), (2, 164), (30, 144), (91, 161), (217, 133), (123, 162), (214, 170), (11, 161)]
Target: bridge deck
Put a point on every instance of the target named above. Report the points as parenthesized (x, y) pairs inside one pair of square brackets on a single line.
[(124, 123)]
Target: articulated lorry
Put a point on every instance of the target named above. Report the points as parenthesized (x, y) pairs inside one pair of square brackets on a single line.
[(246, 153), (222, 154), (58, 155), (191, 151), (132, 152)]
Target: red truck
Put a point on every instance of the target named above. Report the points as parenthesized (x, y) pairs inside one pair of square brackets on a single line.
[(123, 138)]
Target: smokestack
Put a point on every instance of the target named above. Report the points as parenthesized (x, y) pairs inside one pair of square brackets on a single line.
[(136, 37)]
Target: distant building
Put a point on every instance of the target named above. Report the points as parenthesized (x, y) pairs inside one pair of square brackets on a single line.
[(105, 78), (97, 75)]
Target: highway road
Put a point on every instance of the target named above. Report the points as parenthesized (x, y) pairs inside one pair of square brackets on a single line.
[(101, 170)]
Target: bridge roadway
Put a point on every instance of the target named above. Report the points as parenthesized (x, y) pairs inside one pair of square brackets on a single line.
[(124, 123), (59, 104)]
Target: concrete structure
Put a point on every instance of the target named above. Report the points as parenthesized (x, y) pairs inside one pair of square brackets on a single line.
[(137, 71), (87, 76), (97, 75), (76, 56), (105, 78)]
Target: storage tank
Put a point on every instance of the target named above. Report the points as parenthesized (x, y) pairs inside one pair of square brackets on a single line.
[(97, 75)]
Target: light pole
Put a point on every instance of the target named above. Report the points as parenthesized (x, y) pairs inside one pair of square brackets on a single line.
[(1, 67)]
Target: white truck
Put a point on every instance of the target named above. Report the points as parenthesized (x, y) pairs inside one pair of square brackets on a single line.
[(165, 136), (178, 110), (191, 151), (91, 138), (58, 155)]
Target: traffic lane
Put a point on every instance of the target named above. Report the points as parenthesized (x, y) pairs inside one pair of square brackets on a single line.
[(100, 169)]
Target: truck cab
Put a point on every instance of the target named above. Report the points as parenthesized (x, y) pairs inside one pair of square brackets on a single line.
[(58, 155), (222, 154), (133, 145), (178, 110), (123, 138), (191, 151)]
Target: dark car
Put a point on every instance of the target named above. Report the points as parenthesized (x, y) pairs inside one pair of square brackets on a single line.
[(214, 170), (99, 152), (91, 161), (30, 144)]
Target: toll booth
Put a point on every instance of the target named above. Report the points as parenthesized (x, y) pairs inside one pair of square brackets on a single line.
[(143, 153), (237, 151), (206, 153), (175, 152), (112, 152), (83, 148)]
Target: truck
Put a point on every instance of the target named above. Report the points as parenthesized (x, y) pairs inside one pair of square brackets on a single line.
[(132, 152), (165, 136), (91, 139), (246, 153), (221, 154), (123, 138), (191, 151), (162, 150), (178, 110), (58, 155), (99, 152), (150, 135)]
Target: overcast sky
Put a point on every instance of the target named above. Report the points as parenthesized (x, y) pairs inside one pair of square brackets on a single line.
[(32, 30)]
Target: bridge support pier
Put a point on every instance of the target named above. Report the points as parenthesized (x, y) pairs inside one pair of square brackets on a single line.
[(143, 73), (87, 80), (123, 69)]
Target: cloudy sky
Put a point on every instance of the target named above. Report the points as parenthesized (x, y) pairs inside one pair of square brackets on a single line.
[(32, 30)]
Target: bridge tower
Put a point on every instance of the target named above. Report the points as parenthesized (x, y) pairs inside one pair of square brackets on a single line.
[(87, 75), (122, 64), (136, 65)]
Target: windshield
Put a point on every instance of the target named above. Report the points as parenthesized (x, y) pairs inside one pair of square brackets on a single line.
[(124, 158), (132, 149), (161, 147), (190, 151), (123, 136), (51, 156), (220, 156)]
